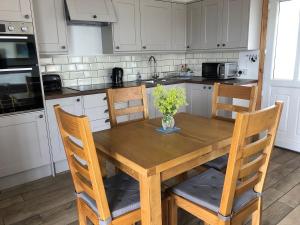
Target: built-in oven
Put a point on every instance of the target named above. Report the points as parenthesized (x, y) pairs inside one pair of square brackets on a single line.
[(20, 84)]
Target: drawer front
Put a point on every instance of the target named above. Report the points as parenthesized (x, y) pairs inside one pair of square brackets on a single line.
[(98, 125), (97, 113), (92, 101)]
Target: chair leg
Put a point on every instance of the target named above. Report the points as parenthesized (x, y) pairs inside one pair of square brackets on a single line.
[(173, 212), (256, 216), (81, 216)]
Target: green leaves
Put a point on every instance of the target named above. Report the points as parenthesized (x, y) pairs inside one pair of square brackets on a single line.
[(168, 101)]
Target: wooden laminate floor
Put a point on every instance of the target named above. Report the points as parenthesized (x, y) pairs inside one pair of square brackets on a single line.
[(50, 201)]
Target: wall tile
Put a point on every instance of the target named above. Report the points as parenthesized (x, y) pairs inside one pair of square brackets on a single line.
[(75, 59), (46, 61), (89, 59), (53, 68), (69, 67), (88, 74), (86, 81), (83, 66), (69, 83), (60, 60), (76, 75)]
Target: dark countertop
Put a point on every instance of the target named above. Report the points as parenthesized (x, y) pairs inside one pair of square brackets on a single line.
[(101, 88)]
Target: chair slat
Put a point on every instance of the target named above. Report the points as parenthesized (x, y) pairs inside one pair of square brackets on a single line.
[(247, 184), (261, 121), (71, 125), (252, 167), (240, 92), (233, 108), (257, 146), (82, 169), (129, 110), (127, 94), (75, 149), (85, 186)]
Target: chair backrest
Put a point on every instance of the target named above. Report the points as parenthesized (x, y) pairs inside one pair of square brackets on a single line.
[(126, 95), (248, 162), (82, 158), (233, 92)]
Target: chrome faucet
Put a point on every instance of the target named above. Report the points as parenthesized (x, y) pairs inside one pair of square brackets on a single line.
[(155, 75)]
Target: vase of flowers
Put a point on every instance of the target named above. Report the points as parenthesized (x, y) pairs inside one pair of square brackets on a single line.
[(168, 101)]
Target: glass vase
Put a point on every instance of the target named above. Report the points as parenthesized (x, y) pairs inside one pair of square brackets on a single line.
[(167, 122)]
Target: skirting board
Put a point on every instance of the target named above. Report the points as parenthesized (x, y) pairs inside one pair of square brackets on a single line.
[(24, 177), (61, 166)]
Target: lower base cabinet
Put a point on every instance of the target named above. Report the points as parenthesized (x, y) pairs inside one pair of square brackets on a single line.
[(24, 143)]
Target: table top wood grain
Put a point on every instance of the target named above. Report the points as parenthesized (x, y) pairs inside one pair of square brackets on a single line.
[(141, 147)]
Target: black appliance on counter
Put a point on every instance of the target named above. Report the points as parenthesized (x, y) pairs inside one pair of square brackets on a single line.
[(20, 85), (52, 82), (117, 76), (220, 70)]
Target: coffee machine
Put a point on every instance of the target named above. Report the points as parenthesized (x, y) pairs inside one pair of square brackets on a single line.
[(117, 76)]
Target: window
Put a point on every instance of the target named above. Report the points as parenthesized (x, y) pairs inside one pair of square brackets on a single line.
[(287, 52)]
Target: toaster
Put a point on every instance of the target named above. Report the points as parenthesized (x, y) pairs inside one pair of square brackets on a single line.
[(52, 82)]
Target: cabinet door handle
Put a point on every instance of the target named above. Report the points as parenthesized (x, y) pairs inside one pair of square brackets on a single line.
[(223, 45), (209, 88), (26, 16), (105, 98), (188, 46), (78, 99), (106, 111), (63, 47), (41, 116), (107, 121), (204, 87), (117, 47), (218, 45), (144, 47), (95, 16)]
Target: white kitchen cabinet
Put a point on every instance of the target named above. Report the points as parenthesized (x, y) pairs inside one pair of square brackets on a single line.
[(199, 99), (194, 18), (211, 28), (15, 10), (156, 25), (91, 10), (24, 142), (72, 105), (51, 27), (127, 31), (224, 24), (96, 109), (179, 17)]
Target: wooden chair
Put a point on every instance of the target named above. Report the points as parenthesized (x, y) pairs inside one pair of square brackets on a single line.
[(248, 93), (113, 201), (220, 199), (125, 95)]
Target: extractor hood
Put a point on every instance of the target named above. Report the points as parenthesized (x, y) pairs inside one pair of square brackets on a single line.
[(95, 12)]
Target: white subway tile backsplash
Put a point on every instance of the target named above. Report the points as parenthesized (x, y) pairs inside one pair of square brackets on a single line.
[(75, 59), (60, 60), (69, 67), (84, 70), (53, 68), (83, 66)]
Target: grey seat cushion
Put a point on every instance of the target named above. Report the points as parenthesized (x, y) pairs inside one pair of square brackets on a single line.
[(206, 190), (218, 163), (122, 193)]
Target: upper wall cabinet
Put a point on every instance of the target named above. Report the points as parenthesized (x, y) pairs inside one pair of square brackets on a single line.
[(194, 18), (156, 25), (91, 10), (126, 32), (225, 24), (15, 10), (211, 27), (179, 16), (51, 26)]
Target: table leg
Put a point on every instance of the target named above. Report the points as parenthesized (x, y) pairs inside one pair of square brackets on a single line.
[(150, 195)]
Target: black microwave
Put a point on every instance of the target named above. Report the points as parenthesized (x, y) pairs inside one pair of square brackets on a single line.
[(220, 70)]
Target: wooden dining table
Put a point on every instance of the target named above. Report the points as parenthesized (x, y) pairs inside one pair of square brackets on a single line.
[(152, 157)]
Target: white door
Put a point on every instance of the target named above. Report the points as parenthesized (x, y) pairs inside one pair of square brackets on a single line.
[(178, 27), (127, 31), (235, 23), (15, 10), (24, 143), (51, 26), (211, 28), (194, 18), (156, 25), (282, 69), (72, 105)]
